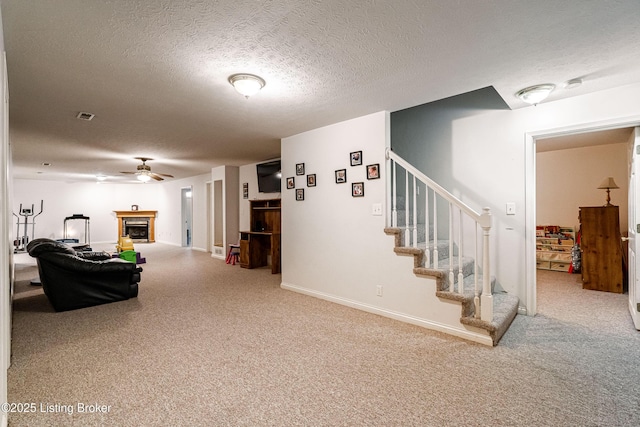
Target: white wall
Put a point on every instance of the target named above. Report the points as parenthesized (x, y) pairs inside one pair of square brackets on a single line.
[(98, 201), (569, 179), (494, 145), (332, 245)]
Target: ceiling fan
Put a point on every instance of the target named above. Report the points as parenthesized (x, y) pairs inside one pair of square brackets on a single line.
[(144, 173)]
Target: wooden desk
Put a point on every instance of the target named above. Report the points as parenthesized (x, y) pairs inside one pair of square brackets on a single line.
[(256, 245)]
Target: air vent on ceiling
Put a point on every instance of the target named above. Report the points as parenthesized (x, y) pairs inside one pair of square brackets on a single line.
[(85, 116)]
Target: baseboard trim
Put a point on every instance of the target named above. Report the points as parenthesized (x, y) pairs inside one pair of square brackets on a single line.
[(425, 323), (168, 243)]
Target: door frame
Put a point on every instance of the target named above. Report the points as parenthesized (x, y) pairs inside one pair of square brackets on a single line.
[(633, 269), (531, 195)]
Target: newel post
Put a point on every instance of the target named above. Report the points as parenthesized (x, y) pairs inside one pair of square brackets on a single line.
[(486, 299)]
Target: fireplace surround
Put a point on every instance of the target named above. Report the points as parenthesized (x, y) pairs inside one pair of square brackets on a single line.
[(138, 225)]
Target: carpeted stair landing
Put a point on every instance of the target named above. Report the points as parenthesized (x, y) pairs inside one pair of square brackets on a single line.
[(505, 306)]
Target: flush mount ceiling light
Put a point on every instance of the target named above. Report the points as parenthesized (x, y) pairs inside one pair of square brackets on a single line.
[(535, 94), (247, 84)]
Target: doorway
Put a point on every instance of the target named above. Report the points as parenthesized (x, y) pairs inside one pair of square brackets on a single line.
[(532, 140), (187, 216), (208, 201)]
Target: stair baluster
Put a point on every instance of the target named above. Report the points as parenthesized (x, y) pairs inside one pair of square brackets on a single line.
[(435, 232), (476, 288), (427, 251), (451, 275), (407, 234), (394, 198), (415, 214), (460, 252)]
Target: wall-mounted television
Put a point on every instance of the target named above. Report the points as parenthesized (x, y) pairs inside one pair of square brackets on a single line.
[(269, 177)]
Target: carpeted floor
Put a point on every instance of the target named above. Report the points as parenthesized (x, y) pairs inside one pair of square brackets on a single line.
[(210, 344)]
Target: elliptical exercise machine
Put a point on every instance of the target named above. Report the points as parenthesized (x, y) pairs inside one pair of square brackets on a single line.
[(20, 243)]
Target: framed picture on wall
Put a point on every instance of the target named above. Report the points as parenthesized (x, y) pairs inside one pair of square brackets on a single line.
[(341, 176), (311, 180), (373, 171), (291, 183), (245, 190), (300, 169), (357, 189), (356, 158), (300, 194)]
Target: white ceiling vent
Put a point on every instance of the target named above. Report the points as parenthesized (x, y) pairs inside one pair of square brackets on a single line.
[(85, 116)]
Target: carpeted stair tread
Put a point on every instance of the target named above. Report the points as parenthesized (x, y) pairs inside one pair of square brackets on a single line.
[(505, 309), (467, 267), (469, 285)]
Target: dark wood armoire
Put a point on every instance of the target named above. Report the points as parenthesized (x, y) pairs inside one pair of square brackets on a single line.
[(601, 248)]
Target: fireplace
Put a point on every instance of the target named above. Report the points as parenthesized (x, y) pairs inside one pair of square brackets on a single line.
[(136, 228), (138, 225)]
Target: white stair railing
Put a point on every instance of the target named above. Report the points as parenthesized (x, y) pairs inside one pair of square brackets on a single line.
[(406, 196)]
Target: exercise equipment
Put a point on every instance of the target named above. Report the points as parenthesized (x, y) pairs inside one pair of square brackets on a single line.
[(20, 243), (87, 237)]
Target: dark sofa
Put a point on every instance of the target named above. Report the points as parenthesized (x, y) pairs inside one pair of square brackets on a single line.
[(73, 280)]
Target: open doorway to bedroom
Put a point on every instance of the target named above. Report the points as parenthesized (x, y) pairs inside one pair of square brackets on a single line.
[(568, 173)]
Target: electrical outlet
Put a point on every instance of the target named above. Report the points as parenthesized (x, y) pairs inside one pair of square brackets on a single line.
[(379, 290)]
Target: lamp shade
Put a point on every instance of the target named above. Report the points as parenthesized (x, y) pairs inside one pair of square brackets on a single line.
[(607, 184)]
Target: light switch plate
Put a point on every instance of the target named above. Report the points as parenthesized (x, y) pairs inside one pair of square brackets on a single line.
[(511, 208), (376, 209)]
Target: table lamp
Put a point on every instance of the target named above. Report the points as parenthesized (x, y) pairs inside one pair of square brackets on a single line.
[(608, 184)]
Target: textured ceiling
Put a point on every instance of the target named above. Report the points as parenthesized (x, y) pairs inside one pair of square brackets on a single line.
[(155, 72)]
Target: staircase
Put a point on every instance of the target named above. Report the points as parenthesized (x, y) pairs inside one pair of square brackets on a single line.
[(459, 275)]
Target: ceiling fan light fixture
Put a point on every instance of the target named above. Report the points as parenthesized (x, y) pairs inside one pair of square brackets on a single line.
[(143, 177), (535, 94), (247, 84)]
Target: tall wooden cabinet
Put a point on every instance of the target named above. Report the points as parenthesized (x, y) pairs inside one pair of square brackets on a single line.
[(601, 248), (263, 239)]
